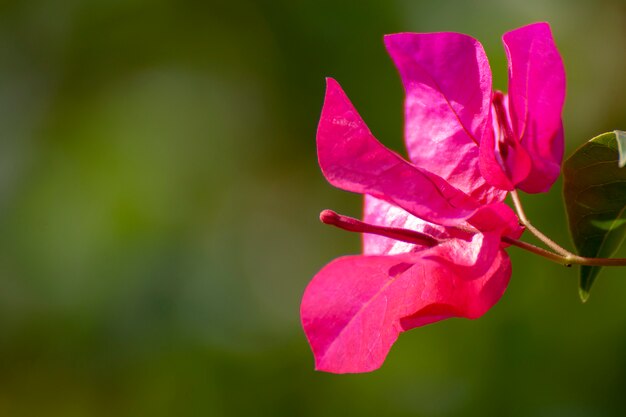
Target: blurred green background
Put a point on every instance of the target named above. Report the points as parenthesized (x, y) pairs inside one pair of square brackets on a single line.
[(159, 195)]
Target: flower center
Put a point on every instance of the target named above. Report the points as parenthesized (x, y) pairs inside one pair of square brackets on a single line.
[(353, 225)]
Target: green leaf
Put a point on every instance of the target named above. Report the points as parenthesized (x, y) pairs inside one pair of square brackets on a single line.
[(595, 199)]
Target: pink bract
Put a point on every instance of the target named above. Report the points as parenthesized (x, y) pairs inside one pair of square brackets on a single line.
[(353, 160), (356, 306), (467, 147), (449, 112)]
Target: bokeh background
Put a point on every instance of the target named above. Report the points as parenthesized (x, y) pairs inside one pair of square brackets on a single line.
[(159, 196)]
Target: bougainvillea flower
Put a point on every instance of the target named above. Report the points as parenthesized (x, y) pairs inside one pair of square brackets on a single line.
[(433, 225), (430, 251), (459, 129)]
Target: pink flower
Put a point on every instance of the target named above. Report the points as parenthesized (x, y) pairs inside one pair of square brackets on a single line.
[(432, 227), (457, 128)]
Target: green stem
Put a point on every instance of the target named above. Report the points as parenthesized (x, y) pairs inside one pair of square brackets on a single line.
[(554, 257), (532, 229), (562, 255), (564, 260)]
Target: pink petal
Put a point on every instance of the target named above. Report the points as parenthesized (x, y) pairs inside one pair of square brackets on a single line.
[(470, 256), (447, 81), (355, 307), (353, 160), (536, 97), (466, 295)]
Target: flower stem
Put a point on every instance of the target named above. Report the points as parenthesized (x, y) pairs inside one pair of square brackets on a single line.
[(532, 229), (554, 257), (562, 255), (564, 260)]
